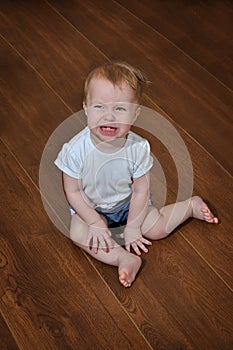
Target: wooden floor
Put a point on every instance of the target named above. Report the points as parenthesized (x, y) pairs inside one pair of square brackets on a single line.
[(52, 295)]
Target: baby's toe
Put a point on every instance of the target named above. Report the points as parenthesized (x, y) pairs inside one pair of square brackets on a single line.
[(123, 280)]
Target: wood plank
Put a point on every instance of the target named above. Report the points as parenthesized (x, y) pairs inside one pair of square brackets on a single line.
[(46, 111), (196, 302), (214, 243), (52, 46), (185, 91), (203, 30), (225, 130), (54, 112), (49, 293), (7, 342), (173, 259)]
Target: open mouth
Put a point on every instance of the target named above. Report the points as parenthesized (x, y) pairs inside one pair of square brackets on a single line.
[(108, 130)]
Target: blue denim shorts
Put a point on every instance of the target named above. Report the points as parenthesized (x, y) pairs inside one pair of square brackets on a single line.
[(116, 219), (113, 219), (119, 218)]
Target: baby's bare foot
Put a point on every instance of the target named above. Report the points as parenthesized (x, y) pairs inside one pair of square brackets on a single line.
[(201, 211), (128, 269)]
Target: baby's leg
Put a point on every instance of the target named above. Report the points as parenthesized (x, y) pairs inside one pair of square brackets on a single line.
[(128, 263), (158, 224)]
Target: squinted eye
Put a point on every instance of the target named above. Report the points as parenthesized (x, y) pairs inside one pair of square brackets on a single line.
[(121, 109), (98, 107)]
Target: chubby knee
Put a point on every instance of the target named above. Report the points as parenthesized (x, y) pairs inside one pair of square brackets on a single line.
[(154, 226), (156, 233)]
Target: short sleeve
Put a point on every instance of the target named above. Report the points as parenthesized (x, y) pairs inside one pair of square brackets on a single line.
[(143, 159), (68, 162)]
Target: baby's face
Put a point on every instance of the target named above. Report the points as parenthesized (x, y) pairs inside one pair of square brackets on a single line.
[(110, 110)]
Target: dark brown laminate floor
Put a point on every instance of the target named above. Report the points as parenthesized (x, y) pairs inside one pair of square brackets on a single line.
[(52, 295)]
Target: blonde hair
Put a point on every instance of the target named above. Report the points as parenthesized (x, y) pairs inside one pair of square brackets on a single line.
[(119, 72)]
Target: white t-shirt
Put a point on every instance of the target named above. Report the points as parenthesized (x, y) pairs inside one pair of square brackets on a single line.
[(106, 178)]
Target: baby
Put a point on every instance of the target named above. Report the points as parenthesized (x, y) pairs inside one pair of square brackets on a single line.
[(106, 175)]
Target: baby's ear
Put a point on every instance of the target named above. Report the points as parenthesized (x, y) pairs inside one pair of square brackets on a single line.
[(137, 113), (85, 107)]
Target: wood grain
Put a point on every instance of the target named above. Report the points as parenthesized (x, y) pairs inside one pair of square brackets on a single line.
[(205, 38), (182, 295), (32, 139), (52, 46), (53, 296), (184, 90), (49, 293), (214, 243), (6, 339), (187, 93)]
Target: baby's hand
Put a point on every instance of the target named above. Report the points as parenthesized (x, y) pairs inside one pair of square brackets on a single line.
[(133, 238), (99, 237)]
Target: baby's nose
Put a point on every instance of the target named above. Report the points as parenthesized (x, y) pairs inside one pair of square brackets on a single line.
[(109, 116)]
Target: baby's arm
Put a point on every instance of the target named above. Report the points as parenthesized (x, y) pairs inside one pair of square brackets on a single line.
[(98, 233), (137, 213)]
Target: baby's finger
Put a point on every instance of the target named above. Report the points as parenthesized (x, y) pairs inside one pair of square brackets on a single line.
[(103, 244), (95, 245), (142, 247), (89, 238), (136, 249), (145, 241), (127, 247), (109, 240)]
